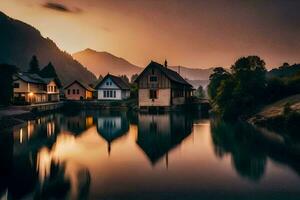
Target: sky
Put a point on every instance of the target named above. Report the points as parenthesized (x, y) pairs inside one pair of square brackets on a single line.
[(192, 33)]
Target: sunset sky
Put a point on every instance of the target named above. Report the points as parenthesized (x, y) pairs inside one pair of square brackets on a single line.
[(197, 34)]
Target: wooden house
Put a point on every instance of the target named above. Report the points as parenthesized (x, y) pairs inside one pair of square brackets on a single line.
[(78, 91), (32, 88), (159, 86), (112, 88)]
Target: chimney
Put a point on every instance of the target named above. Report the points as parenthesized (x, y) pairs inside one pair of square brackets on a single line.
[(166, 64)]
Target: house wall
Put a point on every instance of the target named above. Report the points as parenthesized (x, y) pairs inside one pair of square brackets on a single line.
[(30, 92), (81, 92), (101, 96), (53, 91), (23, 86), (125, 94), (163, 97), (162, 80)]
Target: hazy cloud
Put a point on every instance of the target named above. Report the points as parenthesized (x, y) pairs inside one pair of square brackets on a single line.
[(60, 7)]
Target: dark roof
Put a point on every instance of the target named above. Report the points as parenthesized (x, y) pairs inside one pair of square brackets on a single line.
[(117, 80), (172, 75), (82, 85), (31, 78)]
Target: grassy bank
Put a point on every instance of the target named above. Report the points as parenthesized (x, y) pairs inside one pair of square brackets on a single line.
[(282, 116)]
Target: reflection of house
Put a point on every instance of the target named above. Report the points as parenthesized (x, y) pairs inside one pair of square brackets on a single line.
[(113, 88), (77, 124), (158, 134), (160, 86), (112, 126), (78, 91), (32, 88)]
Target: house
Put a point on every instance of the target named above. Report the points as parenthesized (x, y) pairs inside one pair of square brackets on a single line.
[(32, 88), (29, 88), (159, 86), (53, 85), (78, 91), (113, 88)]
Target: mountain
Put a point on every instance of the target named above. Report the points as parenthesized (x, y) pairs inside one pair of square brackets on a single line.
[(193, 73), (101, 63), (20, 41)]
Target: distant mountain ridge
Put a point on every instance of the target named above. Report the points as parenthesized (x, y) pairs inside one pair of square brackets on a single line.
[(20, 41), (101, 63)]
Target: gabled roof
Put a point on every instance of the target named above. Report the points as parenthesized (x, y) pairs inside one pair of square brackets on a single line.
[(81, 84), (117, 80), (172, 75), (31, 78)]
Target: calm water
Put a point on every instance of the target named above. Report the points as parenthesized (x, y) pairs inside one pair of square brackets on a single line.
[(113, 155)]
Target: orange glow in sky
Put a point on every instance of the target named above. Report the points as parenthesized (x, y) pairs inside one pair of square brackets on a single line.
[(190, 33)]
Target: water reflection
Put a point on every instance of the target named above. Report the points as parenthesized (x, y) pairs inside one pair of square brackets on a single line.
[(238, 140), (174, 155), (158, 134), (112, 125), (250, 149)]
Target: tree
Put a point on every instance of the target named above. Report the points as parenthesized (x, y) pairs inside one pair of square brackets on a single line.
[(237, 94), (219, 74), (48, 71), (34, 65), (100, 78), (6, 82), (125, 78), (200, 93), (133, 77)]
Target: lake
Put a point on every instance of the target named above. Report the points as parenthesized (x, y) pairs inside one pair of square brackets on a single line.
[(119, 155)]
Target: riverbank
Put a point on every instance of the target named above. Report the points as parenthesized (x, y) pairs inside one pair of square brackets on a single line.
[(282, 116)]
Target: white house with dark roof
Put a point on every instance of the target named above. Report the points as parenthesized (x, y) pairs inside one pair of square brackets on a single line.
[(112, 88)]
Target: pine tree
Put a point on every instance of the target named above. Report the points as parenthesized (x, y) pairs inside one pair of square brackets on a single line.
[(34, 65)]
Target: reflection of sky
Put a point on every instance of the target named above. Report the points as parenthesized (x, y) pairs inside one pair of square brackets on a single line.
[(193, 166)]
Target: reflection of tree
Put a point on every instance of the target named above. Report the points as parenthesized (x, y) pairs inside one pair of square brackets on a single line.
[(247, 154), (6, 155)]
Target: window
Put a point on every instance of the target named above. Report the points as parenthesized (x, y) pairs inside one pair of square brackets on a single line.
[(73, 91), (69, 91), (104, 94), (153, 94), (107, 83), (110, 94), (114, 94), (55, 89), (16, 85), (153, 78), (77, 91)]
